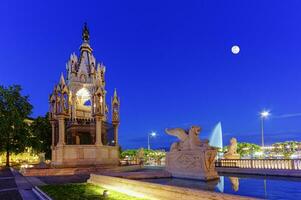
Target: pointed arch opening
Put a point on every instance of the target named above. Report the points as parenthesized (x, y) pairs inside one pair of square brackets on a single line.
[(83, 103)]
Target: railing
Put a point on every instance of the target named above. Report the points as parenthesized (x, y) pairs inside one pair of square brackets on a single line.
[(150, 162), (283, 164), (126, 162)]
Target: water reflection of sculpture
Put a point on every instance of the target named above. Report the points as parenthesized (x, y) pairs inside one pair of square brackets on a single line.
[(235, 183)]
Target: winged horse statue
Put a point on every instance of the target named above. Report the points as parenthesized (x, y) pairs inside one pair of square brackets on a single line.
[(189, 140)]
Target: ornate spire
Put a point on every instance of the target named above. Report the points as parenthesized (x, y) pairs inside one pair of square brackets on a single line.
[(115, 99), (62, 80), (62, 87), (115, 108), (86, 38), (115, 93), (85, 34)]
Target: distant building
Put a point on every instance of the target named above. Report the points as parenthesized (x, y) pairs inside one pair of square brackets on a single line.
[(81, 132)]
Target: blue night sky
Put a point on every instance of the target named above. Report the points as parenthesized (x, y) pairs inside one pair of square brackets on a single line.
[(170, 61)]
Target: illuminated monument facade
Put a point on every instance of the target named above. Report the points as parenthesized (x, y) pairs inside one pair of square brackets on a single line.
[(81, 133)]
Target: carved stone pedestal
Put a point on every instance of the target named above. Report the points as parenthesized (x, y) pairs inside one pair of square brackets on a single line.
[(84, 155), (231, 156), (193, 164)]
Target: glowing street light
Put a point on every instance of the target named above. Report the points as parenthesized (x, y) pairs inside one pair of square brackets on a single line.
[(263, 115), (152, 134)]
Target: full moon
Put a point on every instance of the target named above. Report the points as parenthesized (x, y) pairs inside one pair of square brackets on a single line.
[(235, 49)]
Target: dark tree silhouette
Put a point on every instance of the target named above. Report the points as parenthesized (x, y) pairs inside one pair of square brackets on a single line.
[(41, 136), (14, 130)]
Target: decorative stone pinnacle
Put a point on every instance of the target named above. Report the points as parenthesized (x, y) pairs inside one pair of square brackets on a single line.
[(115, 93), (85, 34), (62, 80)]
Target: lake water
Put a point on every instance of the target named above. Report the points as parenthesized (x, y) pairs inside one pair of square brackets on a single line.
[(252, 186)]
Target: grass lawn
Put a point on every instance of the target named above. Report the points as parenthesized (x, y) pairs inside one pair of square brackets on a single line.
[(83, 191)]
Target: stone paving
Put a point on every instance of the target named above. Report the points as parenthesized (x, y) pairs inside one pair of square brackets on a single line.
[(8, 186), (14, 186), (24, 186)]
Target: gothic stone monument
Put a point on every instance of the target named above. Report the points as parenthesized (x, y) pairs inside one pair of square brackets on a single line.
[(81, 133), (190, 157)]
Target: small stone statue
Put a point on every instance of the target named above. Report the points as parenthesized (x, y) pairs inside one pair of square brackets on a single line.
[(140, 156), (232, 151), (42, 163)]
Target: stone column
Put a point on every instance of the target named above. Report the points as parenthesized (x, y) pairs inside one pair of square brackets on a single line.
[(77, 140), (98, 119), (116, 126), (53, 132), (92, 105), (61, 119)]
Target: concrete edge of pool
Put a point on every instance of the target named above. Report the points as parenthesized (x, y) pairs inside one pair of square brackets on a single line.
[(156, 191)]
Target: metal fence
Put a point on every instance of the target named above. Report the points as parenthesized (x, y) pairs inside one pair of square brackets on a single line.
[(273, 164)]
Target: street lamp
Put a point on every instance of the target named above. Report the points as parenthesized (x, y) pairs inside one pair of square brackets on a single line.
[(263, 115), (152, 134)]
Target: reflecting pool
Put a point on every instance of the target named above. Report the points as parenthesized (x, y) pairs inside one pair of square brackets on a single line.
[(252, 186)]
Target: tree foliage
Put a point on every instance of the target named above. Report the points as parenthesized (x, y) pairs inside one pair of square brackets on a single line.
[(286, 148), (245, 149), (130, 153), (14, 130), (41, 135), (280, 149), (155, 155)]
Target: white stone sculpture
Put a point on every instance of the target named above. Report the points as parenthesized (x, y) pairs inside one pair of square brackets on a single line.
[(232, 151), (140, 156), (191, 157), (188, 140)]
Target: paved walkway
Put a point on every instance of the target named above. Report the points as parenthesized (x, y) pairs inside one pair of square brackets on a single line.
[(8, 186), (15, 186), (24, 186)]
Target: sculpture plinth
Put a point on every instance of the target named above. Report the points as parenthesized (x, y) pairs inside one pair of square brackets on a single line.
[(190, 157), (235, 156), (84, 155), (194, 164)]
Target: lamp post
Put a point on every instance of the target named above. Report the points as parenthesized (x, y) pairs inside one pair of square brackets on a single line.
[(152, 134), (263, 115)]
